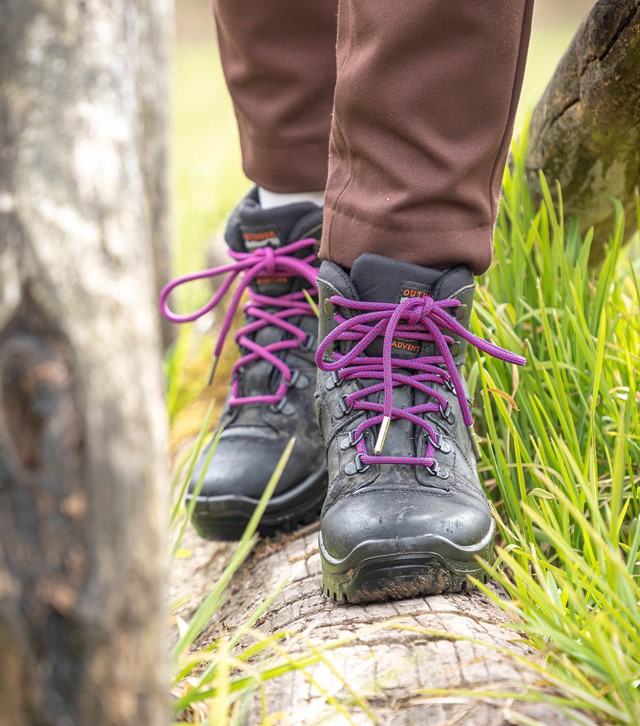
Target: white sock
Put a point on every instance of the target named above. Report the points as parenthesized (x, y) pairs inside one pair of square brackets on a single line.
[(269, 200)]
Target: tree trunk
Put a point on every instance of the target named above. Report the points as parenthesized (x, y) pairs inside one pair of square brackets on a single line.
[(392, 668), (82, 423), (155, 40), (585, 131)]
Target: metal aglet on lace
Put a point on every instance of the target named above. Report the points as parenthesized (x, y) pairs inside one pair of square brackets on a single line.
[(214, 366), (382, 435)]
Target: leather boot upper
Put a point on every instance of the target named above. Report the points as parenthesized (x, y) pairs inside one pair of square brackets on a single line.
[(271, 391), (427, 481)]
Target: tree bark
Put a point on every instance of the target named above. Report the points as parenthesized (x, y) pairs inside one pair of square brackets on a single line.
[(155, 40), (585, 130), (82, 422), (392, 668)]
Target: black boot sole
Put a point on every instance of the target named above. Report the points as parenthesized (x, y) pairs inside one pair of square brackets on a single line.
[(225, 518), (411, 567)]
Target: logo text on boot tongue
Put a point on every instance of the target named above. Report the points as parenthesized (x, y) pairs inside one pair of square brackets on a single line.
[(406, 346), (411, 290), (403, 348), (256, 238)]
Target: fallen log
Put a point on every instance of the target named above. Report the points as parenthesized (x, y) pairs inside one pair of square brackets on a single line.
[(444, 642), (585, 130)]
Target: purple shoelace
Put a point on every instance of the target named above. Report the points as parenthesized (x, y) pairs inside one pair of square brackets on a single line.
[(418, 319), (267, 262)]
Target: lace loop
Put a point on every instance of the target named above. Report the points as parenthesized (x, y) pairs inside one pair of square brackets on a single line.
[(415, 319), (265, 261)]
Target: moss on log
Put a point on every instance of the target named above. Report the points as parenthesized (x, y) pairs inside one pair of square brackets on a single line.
[(585, 130)]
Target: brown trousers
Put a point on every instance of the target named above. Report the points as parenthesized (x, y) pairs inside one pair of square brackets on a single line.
[(424, 95)]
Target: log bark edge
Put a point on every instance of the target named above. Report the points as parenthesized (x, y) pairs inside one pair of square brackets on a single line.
[(585, 130)]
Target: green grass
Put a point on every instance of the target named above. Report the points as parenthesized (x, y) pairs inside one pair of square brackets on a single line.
[(560, 440), (215, 684), (562, 451)]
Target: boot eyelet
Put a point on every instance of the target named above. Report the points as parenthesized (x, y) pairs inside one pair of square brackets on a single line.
[(329, 307), (436, 470), (446, 413), (450, 386), (334, 381), (345, 407), (349, 440), (356, 467), (309, 343), (460, 312), (440, 444), (295, 375), (298, 380), (282, 407)]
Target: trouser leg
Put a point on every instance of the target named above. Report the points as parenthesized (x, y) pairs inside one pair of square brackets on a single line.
[(425, 102), (278, 58)]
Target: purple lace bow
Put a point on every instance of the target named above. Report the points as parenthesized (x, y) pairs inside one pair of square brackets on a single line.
[(418, 319), (263, 262)]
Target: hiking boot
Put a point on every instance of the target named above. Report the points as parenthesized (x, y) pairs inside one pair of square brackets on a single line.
[(270, 398), (405, 513)]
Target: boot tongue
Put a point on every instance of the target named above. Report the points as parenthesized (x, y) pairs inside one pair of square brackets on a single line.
[(383, 279), (252, 228)]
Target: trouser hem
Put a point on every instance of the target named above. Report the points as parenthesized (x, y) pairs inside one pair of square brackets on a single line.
[(435, 248), (286, 168)]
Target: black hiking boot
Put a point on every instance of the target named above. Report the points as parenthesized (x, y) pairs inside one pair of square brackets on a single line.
[(405, 513), (272, 385)]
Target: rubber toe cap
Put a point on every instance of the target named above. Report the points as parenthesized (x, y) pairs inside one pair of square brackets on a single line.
[(390, 516)]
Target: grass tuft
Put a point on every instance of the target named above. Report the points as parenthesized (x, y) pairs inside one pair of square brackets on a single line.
[(561, 455)]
